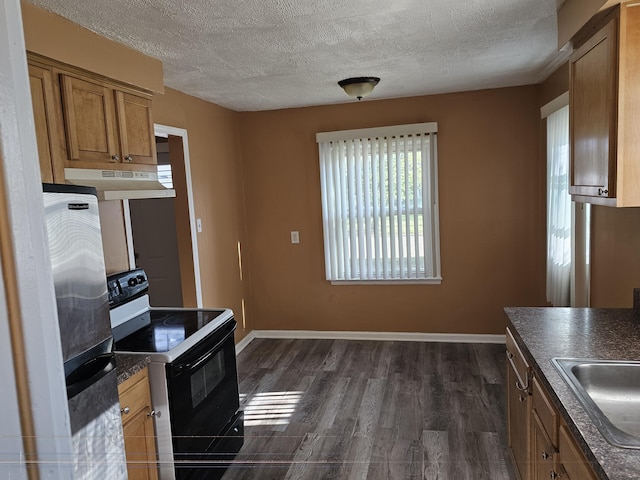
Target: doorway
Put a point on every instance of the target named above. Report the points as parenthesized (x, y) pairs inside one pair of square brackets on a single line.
[(161, 232)]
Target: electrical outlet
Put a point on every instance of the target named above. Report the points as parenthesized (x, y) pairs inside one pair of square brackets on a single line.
[(295, 237), (199, 225)]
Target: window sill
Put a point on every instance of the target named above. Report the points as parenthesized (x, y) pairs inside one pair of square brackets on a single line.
[(421, 281)]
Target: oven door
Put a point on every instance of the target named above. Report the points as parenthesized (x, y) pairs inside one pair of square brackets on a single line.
[(203, 395)]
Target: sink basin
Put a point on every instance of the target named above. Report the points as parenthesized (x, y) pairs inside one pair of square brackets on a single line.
[(609, 391)]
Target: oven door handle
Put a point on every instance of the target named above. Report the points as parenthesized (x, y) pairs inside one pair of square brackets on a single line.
[(180, 368)]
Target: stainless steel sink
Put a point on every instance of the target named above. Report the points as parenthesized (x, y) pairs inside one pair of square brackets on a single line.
[(609, 391)]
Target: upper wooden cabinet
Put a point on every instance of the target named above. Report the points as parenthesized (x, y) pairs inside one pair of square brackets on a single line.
[(48, 129), (88, 121), (604, 119)]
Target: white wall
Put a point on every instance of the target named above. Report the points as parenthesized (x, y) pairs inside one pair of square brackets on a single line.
[(34, 335)]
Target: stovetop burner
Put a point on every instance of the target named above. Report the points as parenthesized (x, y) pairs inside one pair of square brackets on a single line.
[(162, 333), (159, 330)]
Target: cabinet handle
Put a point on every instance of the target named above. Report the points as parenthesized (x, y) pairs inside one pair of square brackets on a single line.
[(115, 158), (125, 410), (555, 475), (521, 398), (545, 455), (520, 387), (152, 413), (603, 191), (129, 158)]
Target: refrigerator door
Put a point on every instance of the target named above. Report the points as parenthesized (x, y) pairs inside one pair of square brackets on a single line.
[(75, 245)]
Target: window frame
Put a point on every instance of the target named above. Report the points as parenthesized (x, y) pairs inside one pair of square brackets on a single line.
[(430, 211)]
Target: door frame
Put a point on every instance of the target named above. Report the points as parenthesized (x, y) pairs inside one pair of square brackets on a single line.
[(165, 131)]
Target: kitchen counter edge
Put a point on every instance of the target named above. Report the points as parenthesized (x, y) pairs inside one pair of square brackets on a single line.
[(544, 333), (129, 365)]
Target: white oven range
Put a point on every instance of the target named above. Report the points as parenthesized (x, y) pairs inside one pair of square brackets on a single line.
[(192, 375)]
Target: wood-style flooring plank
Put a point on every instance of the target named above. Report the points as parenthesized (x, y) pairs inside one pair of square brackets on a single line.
[(366, 410)]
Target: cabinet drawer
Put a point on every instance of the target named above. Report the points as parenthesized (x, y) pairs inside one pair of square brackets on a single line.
[(519, 364), (545, 411), (134, 395)]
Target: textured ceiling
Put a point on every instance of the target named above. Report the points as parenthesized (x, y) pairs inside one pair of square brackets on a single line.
[(269, 54)]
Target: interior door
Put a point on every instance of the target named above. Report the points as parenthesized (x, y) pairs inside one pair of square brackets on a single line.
[(156, 248)]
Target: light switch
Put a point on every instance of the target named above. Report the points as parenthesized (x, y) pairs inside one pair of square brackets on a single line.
[(295, 237), (199, 225)]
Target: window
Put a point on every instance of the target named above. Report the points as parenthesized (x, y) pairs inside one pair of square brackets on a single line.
[(568, 223), (380, 204)]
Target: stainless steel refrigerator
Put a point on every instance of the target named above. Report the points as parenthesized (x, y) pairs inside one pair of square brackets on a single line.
[(75, 245)]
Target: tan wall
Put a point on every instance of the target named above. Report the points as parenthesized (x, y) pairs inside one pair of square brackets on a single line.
[(615, 258), (555, 85), (56, 37), (216, 175), (491, 211)]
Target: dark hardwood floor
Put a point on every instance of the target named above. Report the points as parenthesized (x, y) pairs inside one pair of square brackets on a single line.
[(338, 409)]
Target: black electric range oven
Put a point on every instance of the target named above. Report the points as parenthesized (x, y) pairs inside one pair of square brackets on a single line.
[(192, 375)]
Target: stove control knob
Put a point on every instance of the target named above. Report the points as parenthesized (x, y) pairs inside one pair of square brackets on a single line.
[(132, 282), (140, 278)]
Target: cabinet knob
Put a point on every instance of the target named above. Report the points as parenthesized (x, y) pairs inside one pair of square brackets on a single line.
[(603, 191), (152, 413), (509, 354), (115, 158), (521, 398), (129, 158), (555, 475), (545, 455), (125, 410)]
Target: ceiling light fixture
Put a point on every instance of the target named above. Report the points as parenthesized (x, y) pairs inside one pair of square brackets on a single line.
[(359, 87)]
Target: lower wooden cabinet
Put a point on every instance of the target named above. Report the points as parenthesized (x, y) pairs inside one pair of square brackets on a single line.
[(540, 443), (572, 464), (137, 424), (518, 409)]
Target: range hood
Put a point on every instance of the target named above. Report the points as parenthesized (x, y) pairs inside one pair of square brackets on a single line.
[(119, 184)]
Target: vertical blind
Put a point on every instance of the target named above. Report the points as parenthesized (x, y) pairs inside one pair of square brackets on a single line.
[(379, 203)]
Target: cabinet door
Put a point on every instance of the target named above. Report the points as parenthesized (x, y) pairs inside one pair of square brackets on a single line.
[(47, 126), (135, 125), (573, 465), (89, 121), (542, 452), (518, 424), (139, 446), (593, 114), (137, 424)]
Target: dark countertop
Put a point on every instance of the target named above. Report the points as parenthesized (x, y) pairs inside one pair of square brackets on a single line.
[(613, 334), (129, 365)]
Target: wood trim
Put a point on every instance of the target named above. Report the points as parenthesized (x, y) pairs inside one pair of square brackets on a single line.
[(21, 371)]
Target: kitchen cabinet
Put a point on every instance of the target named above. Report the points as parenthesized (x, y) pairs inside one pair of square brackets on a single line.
[(544, 420), (540, 444), (84, 120), (572, 463), (518, 408), (604, 116), (105, 126), (137, 423), (48, 126)]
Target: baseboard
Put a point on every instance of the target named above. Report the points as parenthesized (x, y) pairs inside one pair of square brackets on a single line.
[(242, 344), (380, 336)]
